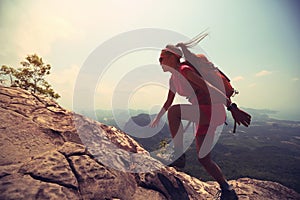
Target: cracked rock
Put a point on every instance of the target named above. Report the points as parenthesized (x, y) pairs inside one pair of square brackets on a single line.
[(25, 187), (51, 167)]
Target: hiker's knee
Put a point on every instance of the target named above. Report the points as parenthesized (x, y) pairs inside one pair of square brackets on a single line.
[(174, 111)]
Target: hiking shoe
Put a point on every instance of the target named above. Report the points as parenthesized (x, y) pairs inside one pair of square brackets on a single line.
[(228, 195), (180, 162)]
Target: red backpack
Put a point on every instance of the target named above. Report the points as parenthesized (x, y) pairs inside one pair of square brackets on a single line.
[(213, 75)]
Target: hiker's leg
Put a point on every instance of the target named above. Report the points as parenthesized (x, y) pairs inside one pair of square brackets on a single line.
[(176, 128), (179, 112), (210, 166)]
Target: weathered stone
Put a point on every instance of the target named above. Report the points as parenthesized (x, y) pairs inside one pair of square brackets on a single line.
[(52, 167), (151, 194), (15, 187), (21, 139), (98, 182), (70, 148)]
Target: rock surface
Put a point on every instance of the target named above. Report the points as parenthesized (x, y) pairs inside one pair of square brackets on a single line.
[(48, 152)]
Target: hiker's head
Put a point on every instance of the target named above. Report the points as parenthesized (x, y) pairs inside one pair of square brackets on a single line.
[(170, 57)]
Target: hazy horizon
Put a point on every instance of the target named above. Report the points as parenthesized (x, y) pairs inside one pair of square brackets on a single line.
[(256, 43), (255, 112)]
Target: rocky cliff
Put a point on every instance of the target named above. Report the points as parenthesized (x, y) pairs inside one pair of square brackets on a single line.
[(48, 152)]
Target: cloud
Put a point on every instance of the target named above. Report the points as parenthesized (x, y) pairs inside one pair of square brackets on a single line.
[(263, 73), (252, 85), (63, 82), (66, 76), (32, 27), (37, 34), (238, 78), (295, 79)]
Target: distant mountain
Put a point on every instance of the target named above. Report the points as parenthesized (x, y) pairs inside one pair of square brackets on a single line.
[(149, 138)]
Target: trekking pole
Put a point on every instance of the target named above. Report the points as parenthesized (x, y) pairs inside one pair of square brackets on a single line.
[(234, 126)]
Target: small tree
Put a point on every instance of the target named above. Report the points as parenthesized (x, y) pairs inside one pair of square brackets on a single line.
[(6, 71), (30, 76)]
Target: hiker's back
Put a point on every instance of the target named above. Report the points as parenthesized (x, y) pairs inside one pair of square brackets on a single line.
[(213, 75)]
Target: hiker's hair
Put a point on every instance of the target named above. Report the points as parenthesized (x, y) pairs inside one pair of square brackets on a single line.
[(183, 52), (187, 54), (194, 41), (174, 50)]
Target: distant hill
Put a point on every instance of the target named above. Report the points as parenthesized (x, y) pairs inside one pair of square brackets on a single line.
[(147, 137)]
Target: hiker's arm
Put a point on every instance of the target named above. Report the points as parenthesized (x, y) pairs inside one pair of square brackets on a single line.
[(166, 106), (215, 93)]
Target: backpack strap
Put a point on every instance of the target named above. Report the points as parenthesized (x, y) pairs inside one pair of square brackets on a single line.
[(224, 75)]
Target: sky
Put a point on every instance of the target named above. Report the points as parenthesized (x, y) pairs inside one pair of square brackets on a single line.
[(256, 43)]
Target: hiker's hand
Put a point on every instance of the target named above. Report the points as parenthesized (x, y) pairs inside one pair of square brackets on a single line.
[(240, 116), (155, 122)]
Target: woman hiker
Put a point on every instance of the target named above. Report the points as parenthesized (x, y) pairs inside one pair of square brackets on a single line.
[(205, 100)]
